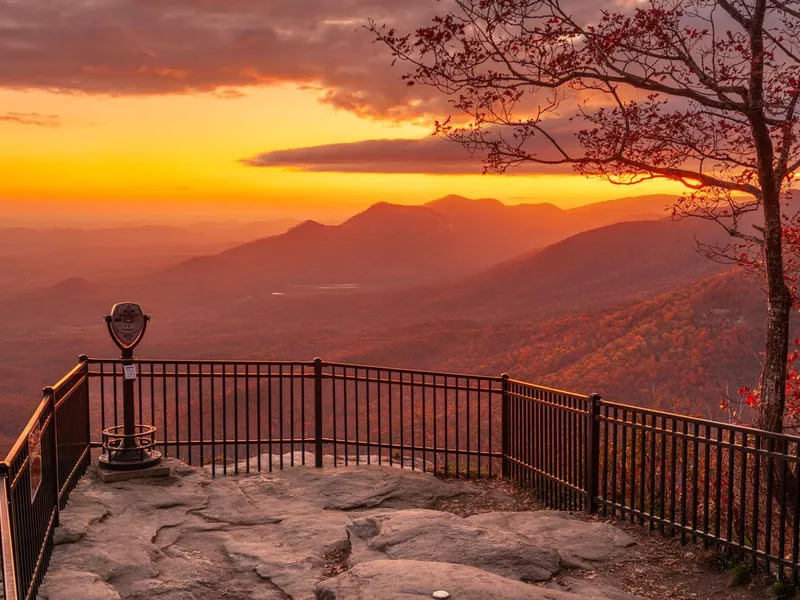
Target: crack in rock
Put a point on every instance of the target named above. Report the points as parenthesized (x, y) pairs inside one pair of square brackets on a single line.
[(284, 594)]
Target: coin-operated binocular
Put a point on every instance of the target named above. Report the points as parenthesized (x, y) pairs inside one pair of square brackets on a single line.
[(131, 445)]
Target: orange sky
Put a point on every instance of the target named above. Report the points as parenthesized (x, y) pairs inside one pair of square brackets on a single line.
[(171, 153)]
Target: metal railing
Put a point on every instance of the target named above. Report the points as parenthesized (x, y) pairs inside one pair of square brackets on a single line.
[(38, 473), (727, 486), (545, 443), (230, 414)]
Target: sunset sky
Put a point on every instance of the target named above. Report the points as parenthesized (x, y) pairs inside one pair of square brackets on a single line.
[(153, 110)]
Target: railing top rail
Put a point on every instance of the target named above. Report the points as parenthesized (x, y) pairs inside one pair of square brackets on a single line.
[(701, 421), (549, 389), (23, 437), (307, 363), (64, 380), (198, 362), (412, 371)]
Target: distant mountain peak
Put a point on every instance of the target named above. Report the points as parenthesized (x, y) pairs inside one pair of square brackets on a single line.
[(73, 284), (385, 213), (308, 225), (456, 202)]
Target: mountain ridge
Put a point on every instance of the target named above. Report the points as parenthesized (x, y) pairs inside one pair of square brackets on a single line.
[(388, 246)]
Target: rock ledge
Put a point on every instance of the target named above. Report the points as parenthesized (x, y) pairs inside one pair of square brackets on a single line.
[(305, 533)]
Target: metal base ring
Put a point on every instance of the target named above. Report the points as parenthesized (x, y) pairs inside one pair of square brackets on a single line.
[(128, 452)]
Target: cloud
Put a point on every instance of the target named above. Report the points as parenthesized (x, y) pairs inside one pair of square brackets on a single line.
[(430, 155), (228, 94), (154, 47), (53, 121), (145, 47)]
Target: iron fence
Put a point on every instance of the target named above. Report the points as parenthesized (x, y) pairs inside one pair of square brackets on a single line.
[(221, 413), (545, 443), (727, 486), (439, 422), (35, 480), (230, 415)]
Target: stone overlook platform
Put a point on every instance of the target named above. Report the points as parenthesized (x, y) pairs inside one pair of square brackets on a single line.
[(351, 533)]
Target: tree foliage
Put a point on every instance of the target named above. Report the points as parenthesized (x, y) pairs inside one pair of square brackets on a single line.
[(703, 92)]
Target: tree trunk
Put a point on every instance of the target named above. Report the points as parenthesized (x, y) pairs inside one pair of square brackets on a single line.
[(773, 376), (779, 303)]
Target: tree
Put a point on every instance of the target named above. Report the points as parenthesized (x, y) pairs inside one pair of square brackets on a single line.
[(703, 92)]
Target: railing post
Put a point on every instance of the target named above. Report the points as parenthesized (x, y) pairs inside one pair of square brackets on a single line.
[(505, 427), (51, 395), (592, 452), (318, 412), (84, 358), (9, 583)]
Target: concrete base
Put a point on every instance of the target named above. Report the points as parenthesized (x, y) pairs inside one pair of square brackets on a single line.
[(109, 476)]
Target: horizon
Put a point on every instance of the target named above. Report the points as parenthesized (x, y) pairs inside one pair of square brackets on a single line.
[(41, 221)]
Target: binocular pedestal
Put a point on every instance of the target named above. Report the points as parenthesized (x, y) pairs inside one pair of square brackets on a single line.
[(130, 446)]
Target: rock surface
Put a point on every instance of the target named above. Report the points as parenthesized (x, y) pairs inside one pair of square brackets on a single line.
[(427, 535), (291, 533), (580, 544), (407, 579)]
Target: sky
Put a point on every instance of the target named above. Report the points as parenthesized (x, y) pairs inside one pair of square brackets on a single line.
[(148, 110)]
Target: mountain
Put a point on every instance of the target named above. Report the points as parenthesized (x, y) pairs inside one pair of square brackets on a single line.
[(678, 351), (586, 273), (19, 273), (385, 247), (597, 268), (514, 229), (27, 241), (69, 303), (31, 258), (234, 231), (390, 246), (634, 208)]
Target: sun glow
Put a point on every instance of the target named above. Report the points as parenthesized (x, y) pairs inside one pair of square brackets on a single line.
[(178, 155)]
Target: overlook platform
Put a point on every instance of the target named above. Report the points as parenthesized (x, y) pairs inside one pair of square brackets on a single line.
[(351, 532), (347, 533)]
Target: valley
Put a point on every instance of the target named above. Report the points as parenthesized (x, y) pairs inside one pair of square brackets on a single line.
[(611, 297)]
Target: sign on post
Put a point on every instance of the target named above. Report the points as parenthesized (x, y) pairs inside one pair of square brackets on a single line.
[(35, 459)]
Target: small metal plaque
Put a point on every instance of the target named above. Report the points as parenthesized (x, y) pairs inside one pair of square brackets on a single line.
[(35, 459), (130, 372), (127, 323)]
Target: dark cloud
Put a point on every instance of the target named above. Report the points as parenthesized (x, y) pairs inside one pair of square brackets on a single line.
[(430, 155), (53, 121), (142, 47)]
